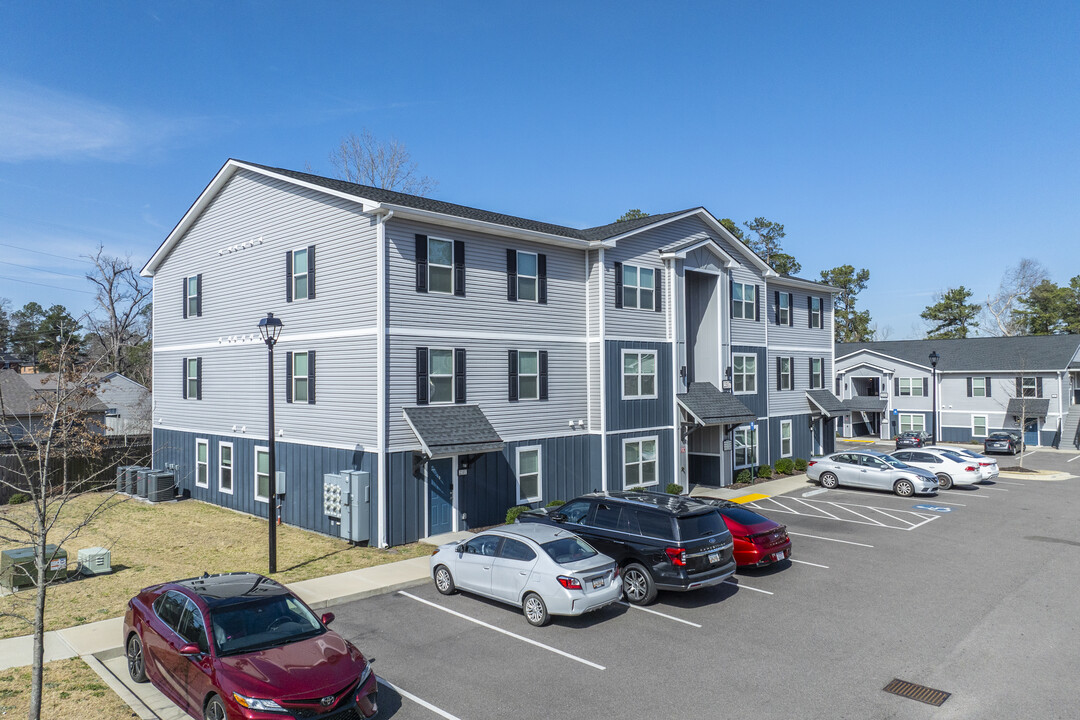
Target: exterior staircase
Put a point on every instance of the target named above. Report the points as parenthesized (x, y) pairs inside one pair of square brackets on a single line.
[(1070, 429)]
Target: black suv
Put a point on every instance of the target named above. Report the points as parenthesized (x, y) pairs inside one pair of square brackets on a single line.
[(661, 542)]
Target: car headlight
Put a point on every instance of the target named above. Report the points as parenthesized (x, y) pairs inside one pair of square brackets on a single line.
[(257, 703), (365, 675)]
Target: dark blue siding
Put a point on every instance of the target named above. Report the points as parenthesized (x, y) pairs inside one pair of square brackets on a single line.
[(956, 434), (801, 438), (758, 402), (630, 414), (405, 506), (665, 441)]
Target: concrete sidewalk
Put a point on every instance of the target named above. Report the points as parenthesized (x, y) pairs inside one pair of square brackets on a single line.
[(779, 486)]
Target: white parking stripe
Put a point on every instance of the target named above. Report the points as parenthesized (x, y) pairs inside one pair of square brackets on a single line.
[(942, 502), (965, 493), (816, 507), (994, 488), (803, 562), (654, 612), (418, 701), (747, 587), (893, 517), (1006, 482), (869, 520), (818, 537), (557, 651), (1073, 458)]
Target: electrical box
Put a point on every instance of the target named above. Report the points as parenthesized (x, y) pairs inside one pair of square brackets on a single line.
[(17, 568), (279, 482), (160, 486), (347, 500), (95, 561)]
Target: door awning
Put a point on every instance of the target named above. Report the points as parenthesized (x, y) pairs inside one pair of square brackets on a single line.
[(708, 406), (865, 403), (452, 430), (1028, 407), (825, 403)]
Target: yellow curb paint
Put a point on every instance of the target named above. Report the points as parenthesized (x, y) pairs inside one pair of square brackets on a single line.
[(856, 441), (749, 498)]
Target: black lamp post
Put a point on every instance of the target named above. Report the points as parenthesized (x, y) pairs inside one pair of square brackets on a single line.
[(270, 328), (934, 357)]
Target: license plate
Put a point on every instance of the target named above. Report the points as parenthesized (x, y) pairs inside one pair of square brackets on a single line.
[(714, 557), (598, 583), (781, 555)]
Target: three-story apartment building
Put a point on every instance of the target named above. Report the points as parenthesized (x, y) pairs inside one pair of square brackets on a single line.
[(467, 361)]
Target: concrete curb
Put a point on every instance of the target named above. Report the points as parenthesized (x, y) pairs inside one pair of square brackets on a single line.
[(780, 486)]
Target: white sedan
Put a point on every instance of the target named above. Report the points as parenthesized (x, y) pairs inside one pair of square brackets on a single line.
[(949, 467), (988, 466)]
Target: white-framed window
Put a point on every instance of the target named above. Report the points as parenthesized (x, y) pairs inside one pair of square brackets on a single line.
[(440, 375), (911, 386), (202, 463), (192, 296), (744, 439), (783, 308), (744, 300), (191, 378), (978, 387), (744, 373), (638, 287), (639, 462), (262, 474), (912, 421), (300, 370), (817, 373), (978, 426), (440, 266), (786, 379), (528, 374), (1029, 387), (529, 476), (225, 467), (815, 312), (300, 274), (785, 438), (527, 273), (639, 374)]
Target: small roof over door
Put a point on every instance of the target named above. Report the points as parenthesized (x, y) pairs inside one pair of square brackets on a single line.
[(445, 430)]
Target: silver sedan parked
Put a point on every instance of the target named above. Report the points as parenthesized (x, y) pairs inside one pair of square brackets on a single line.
[(544, 570), (869, 469)]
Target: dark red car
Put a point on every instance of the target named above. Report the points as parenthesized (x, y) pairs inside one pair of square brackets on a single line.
[(240, 645), (758, 540)]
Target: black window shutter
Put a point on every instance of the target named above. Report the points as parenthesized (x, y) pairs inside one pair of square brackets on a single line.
[(541, 280), (459, 268), (926, 387), (421, 376), (969, 387), (185, 297), (776, 299), (791, 371), (198, 382), (311, 272), (311, 377), (288, 275), (809, 311), (988, 386), (543, 357), (184, 378), (511, 275), (731, 297), (1019, 387), (810, 361), (757, 303), (421, 278), (658, 293), (779, 367), (791, 309), (198, 295), (288, 377), (512, 375), (459, 375), (618, 284), (1038, 387), (896, 387)]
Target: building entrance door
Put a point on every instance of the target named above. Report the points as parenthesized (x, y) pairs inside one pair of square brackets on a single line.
[(440, 476), (1031, 432)]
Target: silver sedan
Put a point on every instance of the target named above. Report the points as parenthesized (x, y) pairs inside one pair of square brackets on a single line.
[(870, 469), (543, 570)]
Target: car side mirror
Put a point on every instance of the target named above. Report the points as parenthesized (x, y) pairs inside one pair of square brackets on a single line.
[(190, 649), (558, 517), (460, 549), (328, 618)]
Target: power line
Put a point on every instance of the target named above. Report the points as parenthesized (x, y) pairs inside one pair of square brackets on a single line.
[(54, 287), (52, 272), (42, 252)]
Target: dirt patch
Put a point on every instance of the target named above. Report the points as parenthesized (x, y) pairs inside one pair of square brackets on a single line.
[(1018, 469)]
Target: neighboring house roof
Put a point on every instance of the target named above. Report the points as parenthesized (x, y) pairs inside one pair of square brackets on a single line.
[(708, 406), (43, 383), (1028, 407), (452, 429), (9, 359), (825, 402), (1025, 353), (865, 403), (17, 396)]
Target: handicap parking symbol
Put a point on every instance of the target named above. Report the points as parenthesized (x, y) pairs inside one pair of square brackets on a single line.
[(933, 508)]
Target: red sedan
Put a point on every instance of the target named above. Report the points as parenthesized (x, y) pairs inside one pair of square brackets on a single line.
[(758, 540), (241, 646)]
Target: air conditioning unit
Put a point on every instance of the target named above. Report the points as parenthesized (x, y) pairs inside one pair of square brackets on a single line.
[(95, 561), (160, 486), (142, 481)]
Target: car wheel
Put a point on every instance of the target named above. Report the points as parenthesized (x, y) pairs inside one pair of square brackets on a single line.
[(215, 709), (444, 581), (904, 488), (944, 481), (638, 585), (535, 610), (828, 480), (136, 661)]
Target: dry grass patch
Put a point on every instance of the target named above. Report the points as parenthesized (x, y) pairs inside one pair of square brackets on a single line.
[(71, 689), (169, 541)]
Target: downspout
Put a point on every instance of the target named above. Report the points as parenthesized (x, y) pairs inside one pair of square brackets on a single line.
[(603, 373), (381, 441), (672, 336)]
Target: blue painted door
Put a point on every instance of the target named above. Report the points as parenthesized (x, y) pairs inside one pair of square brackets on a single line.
[(1031, 431), (440, 496)]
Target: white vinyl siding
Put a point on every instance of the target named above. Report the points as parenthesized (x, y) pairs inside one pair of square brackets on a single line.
[(639, 374), (639, 462), (910, 422), (746, 446), (262, 474), (978, 426), (639, 286), (744, 300), (202, 463), (744, 374), (529, 478), (911, 387), (785, 438), (440, 376), (225, 468), (440, 266)]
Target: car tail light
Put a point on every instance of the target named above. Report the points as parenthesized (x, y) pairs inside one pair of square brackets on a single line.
[(676, 555), (970, 468), (569, 583), (812, 463), (982, 464), (616, 572)]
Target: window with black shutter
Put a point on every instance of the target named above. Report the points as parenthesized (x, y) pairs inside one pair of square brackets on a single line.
[(193, 296), (459, 268), (511, 275), (421, 265), (543, 375), (300, 377), (618, 285), (541, 280)]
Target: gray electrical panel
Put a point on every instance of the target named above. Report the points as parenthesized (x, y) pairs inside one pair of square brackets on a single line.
[(347, 499)]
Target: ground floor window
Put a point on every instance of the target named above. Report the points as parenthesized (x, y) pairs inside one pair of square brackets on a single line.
[(785, 438), (912, 421), (528, 474), (978, 425), (746, 446), (202, 463), (639, 462), (262, 474), (225, 467)]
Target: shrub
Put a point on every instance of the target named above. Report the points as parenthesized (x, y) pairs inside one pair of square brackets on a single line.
[(785, 466), (512, 513), (673, 489), (801, 464), (744, 476), (765, 471), (555, 503), (636, 488), (18, 499)]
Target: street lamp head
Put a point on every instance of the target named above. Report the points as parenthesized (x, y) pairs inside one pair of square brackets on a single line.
[(934, 357), (270, 328)]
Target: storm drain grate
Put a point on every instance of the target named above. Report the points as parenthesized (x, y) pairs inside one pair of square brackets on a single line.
[(923, 694)]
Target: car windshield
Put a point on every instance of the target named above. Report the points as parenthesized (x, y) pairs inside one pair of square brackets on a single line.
[(701, 525), (568, 549), (953, 456), (264, 623)]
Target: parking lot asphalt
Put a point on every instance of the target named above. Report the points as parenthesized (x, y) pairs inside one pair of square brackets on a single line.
[(974, 597)]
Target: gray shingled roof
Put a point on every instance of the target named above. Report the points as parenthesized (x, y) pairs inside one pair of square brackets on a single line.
[(1026, 352), (865, 403), (603, 232), (824, 401), (452, 429), (1028, 407), (712, 407), (18, 397)]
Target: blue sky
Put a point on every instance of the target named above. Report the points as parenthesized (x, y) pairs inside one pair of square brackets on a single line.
[(933, 143)]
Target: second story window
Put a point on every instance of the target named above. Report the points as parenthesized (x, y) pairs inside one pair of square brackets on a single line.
[(785, 376), (192, 378), (440, 375), (813, 304), (637, 287), (193, 296), (744, 373), (978, 387), (300, 274), (526, 276), (817, 373), (527, 378), (440, 265), (639, 374), (300, 380), (744, 301), (783, 308), (1029, 387), (910, 387)]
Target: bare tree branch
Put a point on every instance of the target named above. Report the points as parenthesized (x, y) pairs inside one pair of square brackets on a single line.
[(366, 160), (1016, 283)]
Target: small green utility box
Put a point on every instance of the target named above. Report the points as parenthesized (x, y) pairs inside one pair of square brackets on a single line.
[(17, 567)]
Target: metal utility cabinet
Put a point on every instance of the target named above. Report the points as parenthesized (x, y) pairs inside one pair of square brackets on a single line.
[(17, 568), (347, 500)]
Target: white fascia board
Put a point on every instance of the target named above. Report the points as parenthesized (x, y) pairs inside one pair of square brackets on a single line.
[(847, 370), (429, 216), (801, 283), (710, 245), (423, 445)]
